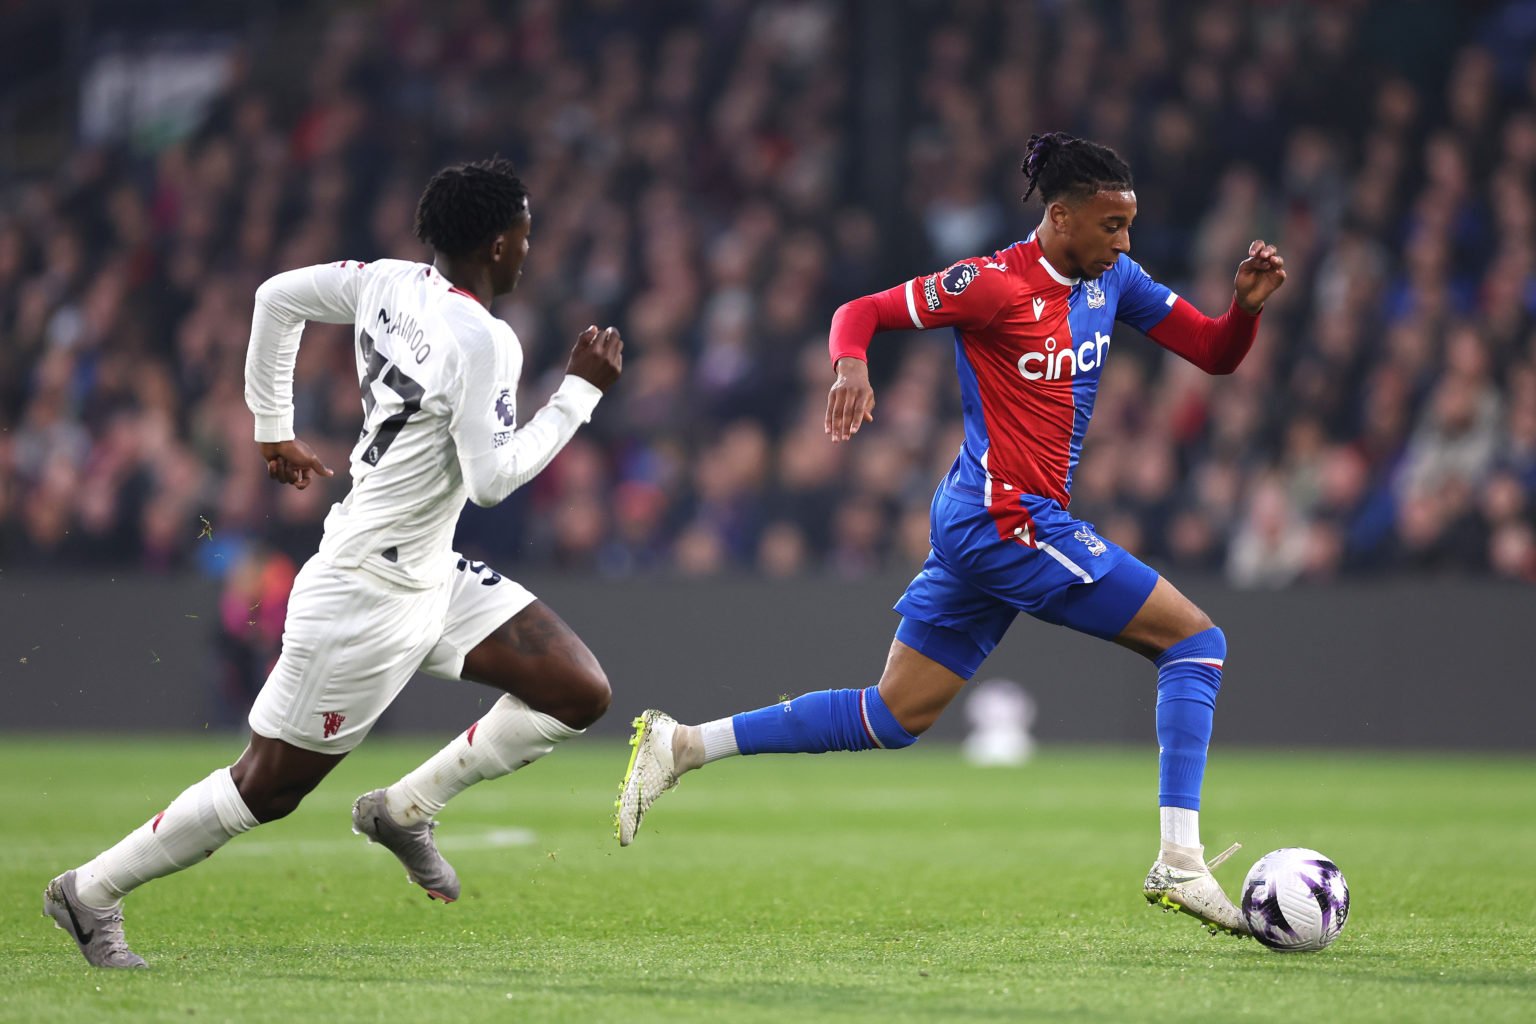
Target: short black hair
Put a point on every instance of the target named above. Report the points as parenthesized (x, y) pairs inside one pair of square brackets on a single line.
[(1064, 166), (464, 206)]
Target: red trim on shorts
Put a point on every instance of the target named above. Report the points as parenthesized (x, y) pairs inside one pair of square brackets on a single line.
[(1011, 518), (469, 737)]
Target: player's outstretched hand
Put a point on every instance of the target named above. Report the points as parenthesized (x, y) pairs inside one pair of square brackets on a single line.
[(1258, 276), (292, 462), (598, 357), (851, 402)]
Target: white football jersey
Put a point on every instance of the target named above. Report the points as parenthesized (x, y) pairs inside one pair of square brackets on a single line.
[(439, 380)]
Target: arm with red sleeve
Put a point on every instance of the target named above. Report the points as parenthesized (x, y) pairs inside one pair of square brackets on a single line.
[(1215, 344), (968, 295)]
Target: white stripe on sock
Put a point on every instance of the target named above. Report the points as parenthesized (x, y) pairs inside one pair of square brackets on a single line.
[(1213, 662), (864, 717)]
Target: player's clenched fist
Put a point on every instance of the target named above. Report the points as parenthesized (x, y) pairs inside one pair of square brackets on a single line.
[(598, 357), (851, 402), (1258, 276)]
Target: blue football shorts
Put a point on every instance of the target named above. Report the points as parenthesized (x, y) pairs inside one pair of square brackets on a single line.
[(1031, 556)]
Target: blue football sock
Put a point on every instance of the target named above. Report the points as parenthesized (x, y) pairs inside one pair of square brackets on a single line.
[(815, 723), (1188, 678)]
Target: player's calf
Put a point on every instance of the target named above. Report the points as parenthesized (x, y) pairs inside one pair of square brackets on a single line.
[(813, 723)]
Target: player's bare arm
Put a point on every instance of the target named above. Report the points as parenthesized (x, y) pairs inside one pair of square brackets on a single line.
[(1259, 276), (292, 462), (851, 402)]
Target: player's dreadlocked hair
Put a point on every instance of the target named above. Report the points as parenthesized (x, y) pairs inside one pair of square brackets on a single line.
[(464, 205), (1063, 165)]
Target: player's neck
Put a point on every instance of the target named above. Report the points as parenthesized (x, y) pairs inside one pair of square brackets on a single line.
[(1054, 250), (474, 281)]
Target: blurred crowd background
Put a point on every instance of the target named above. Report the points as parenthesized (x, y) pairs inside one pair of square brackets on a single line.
[(715, 178)]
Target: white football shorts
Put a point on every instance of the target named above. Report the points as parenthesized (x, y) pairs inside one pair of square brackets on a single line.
[(352, 640)]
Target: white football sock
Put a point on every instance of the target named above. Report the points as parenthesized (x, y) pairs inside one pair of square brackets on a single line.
[(199, 821), (510, 736), (719, 739), (694, 746), (1181, 835)]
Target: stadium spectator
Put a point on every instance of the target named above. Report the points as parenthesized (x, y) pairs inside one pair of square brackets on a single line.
[(709, 178)]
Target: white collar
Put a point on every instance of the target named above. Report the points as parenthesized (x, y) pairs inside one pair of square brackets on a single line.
[(1056, 275)]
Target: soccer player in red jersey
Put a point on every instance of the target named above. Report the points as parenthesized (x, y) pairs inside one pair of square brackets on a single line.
[(1032, 326)]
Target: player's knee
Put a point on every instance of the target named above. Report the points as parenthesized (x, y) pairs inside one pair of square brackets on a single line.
[(914, 724), (598, 694), (1212, 641), (589, 697), (1190, 626), (267, 802), (893, 729), (1201, 622), (267, 795), (275, 806), (1208, 643)]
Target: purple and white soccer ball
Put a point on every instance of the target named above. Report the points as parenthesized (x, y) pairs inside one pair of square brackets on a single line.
[(1295, 900)]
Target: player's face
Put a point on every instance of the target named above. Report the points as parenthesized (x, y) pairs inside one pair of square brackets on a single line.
[(508, 253), (1097, 231)]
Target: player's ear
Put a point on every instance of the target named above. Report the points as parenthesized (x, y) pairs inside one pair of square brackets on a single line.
[(1060, 214), (498, 248)]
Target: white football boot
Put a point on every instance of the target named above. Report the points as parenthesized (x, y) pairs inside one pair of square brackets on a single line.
[(1196, 893), (651, 772)]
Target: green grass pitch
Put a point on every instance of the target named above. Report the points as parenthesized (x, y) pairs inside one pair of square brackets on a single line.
[(878, 887)]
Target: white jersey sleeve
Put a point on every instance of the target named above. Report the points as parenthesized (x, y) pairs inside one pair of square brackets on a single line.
[(326, 294), (438, 378), (495, 455)]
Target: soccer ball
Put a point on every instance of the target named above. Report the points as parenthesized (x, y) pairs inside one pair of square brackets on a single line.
[(1295, 900)]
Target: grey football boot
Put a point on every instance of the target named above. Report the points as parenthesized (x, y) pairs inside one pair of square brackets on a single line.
[(412, 844), (98, 933)]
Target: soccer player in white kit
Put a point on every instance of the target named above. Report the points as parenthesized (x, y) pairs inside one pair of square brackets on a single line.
[(386, 594)]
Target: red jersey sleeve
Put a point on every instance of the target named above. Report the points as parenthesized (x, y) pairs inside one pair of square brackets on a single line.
[(968, 295), (1215, 345)]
